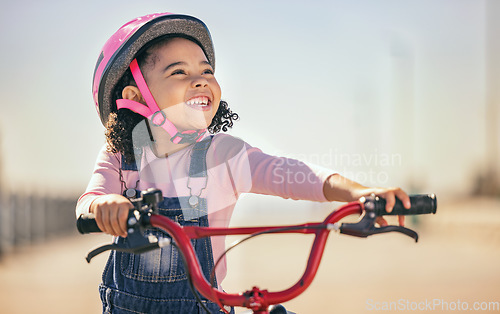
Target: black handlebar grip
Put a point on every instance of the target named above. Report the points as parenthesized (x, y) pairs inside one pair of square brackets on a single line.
[(86, 224), (420, 204)]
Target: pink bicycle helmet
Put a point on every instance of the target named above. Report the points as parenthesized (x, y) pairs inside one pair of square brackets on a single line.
[(124, 45)]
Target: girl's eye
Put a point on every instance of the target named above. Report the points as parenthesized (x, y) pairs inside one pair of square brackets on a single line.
[(179, 71), (208, 71)]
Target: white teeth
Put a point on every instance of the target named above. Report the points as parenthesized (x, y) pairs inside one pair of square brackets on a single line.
[(198, 101)]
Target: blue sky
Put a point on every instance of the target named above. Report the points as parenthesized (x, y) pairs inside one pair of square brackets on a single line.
[(366, 80)]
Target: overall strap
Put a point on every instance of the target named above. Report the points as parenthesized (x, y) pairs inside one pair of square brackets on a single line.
[(197, 180), (132, 166), (198, 165), (130, 191)]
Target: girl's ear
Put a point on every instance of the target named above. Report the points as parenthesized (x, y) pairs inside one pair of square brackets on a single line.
[(132, 93)]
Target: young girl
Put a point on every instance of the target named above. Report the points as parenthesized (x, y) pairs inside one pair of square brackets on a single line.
[(156, 93)]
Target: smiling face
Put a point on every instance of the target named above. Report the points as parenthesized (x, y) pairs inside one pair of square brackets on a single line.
[(183, 84)]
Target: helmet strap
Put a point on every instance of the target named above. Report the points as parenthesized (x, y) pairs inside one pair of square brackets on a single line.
[(153, 113)]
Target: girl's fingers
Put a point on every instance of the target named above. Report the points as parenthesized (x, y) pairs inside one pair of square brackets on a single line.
[(98, 220), (381, 221), (403, 197), (114, 224), (122, 220), (105, 220), (111, 212), (118, 220), (390, 201)]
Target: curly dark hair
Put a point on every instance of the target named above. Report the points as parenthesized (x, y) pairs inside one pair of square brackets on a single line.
[(121, 123)]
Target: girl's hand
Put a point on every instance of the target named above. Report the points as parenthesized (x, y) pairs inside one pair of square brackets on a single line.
[(111, 212), (389, 194), (338, 188)]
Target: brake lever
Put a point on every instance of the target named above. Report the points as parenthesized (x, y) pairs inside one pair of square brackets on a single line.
[(366, 227), (137, 222), (136, 244), (136, 241)]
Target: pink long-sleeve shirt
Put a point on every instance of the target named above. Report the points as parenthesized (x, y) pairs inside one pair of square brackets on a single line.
[(233, 168)]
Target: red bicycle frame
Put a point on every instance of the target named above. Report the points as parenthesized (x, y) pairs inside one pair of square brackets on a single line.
[(256, 299)]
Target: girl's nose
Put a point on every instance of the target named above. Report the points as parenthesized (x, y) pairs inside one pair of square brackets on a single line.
[(199, 81)]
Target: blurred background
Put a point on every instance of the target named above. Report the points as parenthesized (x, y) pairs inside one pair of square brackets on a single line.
[(388, 93)]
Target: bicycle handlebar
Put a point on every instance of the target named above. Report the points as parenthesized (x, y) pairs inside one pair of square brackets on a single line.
[(87, 224), (256, 299), (420, 204)]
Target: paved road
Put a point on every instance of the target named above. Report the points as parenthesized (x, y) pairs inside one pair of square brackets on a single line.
[(52, 277), (457, 260)]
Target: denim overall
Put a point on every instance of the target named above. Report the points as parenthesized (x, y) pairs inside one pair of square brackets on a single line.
[(156, 281)]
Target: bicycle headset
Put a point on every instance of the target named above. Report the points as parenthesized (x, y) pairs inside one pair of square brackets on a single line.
[(119, 53)]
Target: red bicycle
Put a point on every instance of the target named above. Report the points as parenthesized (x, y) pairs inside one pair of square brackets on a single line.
[(145, 215)]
